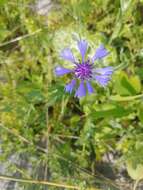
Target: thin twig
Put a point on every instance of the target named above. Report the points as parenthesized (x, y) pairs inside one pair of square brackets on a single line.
[(65, 136), (136, 184), (20, 38), (32, 181)]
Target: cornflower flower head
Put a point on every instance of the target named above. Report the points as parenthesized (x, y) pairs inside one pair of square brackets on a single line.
[(84, 71)]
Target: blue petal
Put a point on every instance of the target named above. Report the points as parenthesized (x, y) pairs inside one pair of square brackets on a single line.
[(81, 90), (100, 53), (102, 79), (62, 71), (103, 75), (67, 55), (82, 46), (89, 87), (105, 71), (69, 87)]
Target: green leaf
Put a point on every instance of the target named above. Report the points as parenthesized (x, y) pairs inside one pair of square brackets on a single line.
[(125, 4), (135, 173), (117, 111), (135, 81), (125, 85)]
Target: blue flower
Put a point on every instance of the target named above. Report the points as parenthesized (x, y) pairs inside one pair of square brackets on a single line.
[(84, 70)]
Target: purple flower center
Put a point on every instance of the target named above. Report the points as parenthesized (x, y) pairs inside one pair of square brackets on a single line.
[(83, 70)]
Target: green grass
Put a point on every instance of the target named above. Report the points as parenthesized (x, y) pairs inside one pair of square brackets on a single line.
[(55, 131)]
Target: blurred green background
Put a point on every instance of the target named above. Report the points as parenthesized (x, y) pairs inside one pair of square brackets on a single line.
[(46, 134)]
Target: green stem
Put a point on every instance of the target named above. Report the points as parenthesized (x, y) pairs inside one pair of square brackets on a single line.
[(121, 66), (126, 98)]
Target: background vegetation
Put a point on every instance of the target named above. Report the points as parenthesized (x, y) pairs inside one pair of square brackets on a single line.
[(46, 134)]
